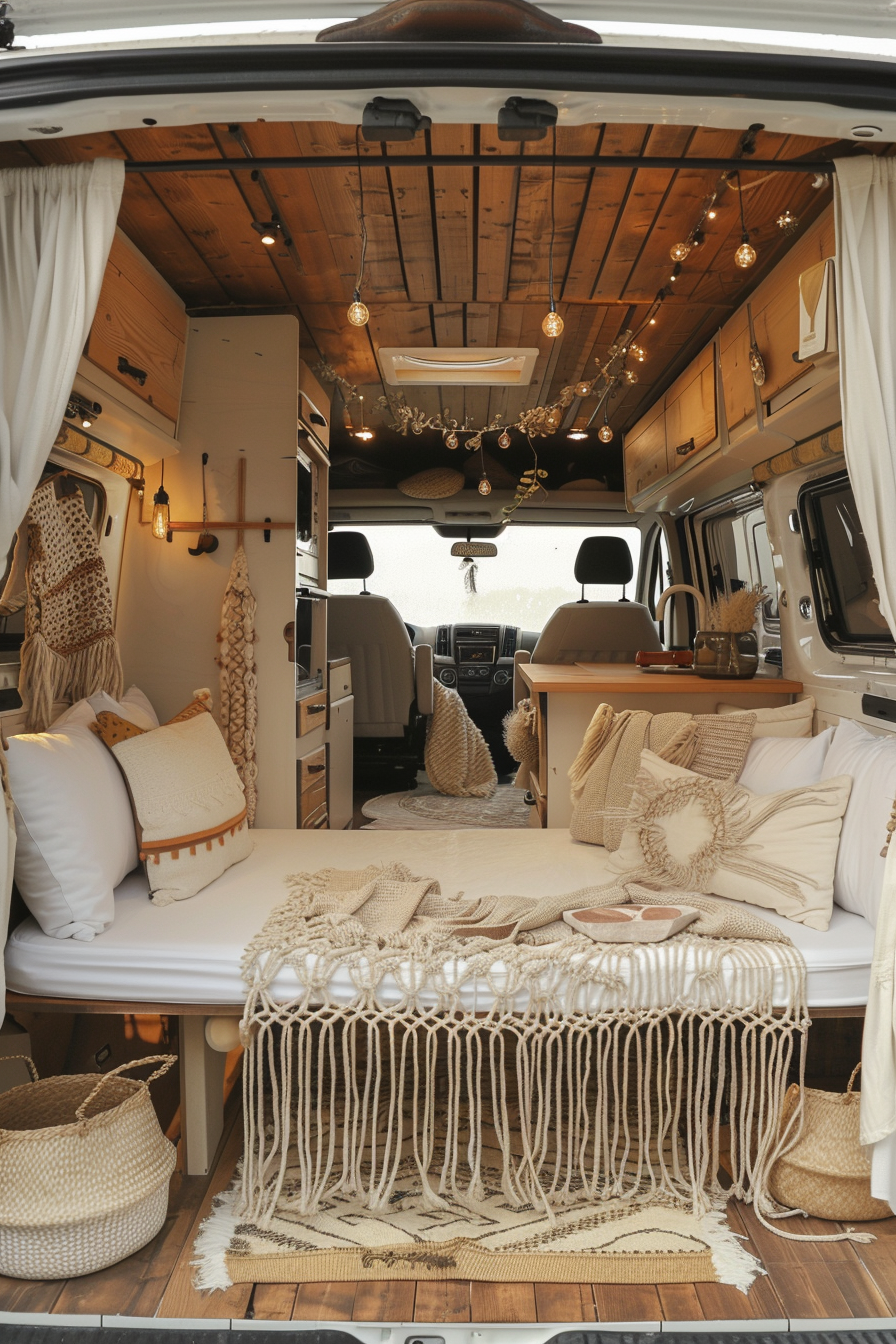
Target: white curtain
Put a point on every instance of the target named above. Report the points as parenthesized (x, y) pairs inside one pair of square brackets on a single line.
[(56, 229), (865, 211)]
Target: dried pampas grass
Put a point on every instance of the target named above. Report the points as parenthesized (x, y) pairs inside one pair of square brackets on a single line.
[(736, 612)]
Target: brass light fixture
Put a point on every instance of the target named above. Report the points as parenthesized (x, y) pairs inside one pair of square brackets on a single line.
[(363, 432), (161, 513), (745, 256), (605, 433)]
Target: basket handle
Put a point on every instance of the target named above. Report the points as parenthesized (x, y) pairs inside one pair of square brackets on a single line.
[(852, 1078), (166, 1062), (32, 1067)]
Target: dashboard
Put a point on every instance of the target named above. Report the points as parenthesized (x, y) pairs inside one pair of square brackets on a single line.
[(476, 660)]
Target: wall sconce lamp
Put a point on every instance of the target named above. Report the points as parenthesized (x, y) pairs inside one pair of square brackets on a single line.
[(161, 513), (79, 408)]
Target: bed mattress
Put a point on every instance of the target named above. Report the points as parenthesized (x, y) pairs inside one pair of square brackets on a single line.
[(189, 952)]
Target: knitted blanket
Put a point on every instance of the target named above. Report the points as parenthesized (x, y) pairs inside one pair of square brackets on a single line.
[(457, 759), (70, 650), (364, 988)]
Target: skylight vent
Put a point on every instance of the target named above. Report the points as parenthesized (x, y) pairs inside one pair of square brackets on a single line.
[(430, 367)]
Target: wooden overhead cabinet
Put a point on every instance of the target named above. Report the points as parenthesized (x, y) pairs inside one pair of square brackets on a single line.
[(738, 388), (645, 451), (691, 420), (139, 333)]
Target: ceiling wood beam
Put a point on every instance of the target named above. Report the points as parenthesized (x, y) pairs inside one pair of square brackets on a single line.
[(471, 160)]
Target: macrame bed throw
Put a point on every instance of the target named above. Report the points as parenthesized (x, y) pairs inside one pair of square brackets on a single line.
[(239, 678), (457, 759), (70, 650), (367, 990)]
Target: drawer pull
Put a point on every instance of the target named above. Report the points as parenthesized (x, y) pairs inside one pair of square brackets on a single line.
[(316, 709), (139, 375), (315, 769), (684, 448)]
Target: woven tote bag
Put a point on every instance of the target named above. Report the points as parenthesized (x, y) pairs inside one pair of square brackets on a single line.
[(84, 1172), (826, 1173)]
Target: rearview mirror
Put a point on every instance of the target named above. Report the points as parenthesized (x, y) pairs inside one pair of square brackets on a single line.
[(478, 550)]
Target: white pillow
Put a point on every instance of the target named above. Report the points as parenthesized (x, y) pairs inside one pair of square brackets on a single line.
[(133, 706), (775, 763), (871, 760), (686, 832), (74, 829), (782, 721)]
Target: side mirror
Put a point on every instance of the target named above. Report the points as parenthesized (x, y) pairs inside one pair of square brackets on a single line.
[(474, 550)]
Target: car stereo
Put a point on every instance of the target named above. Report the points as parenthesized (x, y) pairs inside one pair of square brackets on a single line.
[(474, 652)]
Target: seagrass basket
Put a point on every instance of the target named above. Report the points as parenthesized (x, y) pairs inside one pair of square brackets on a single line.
[(826, 1172), (84, 1172)]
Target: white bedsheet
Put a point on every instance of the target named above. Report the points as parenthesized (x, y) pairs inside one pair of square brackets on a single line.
[(189, 952)]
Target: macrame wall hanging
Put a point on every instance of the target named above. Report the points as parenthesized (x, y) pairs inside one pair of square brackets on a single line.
[(70, 650), (239, 676)]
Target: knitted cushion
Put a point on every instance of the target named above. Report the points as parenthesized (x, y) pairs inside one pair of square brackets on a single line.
[(188, 801), (689, 833)]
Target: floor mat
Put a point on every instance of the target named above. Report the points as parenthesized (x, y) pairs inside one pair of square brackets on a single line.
[(423, 809)]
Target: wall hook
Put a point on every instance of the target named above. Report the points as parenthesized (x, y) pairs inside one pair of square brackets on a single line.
[(267, 531), (207, 542)]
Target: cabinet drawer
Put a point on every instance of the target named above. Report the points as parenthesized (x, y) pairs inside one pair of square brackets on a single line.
[(312, 713), (312, 770), (313, 811), (139, 333)]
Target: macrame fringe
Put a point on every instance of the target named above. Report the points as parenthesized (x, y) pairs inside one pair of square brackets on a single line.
[(239, 677), (49, 677), (213, 1241)]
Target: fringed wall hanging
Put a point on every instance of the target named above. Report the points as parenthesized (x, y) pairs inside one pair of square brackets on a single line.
[(239, 676), (70, 650)]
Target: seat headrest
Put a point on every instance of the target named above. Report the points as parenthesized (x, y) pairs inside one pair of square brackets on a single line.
[(604, 560), (349, 556)]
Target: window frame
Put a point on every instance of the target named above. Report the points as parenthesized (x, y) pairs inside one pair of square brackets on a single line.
[(826, 606)]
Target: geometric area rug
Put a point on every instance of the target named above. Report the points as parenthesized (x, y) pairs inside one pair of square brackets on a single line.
[(424, 809), (646, 1239)]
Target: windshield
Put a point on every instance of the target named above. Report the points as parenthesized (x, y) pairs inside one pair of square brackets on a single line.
[(529, 578)]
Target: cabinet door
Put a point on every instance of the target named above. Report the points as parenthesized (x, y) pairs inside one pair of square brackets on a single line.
[(776, 307), (139, 333), (737, 378), (312, 790), (691, 420), (645, 451)]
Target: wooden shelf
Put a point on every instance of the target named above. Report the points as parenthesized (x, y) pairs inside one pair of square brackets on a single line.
[(607, 678)]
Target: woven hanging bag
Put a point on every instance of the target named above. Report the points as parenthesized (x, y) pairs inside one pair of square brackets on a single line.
[(84, 1172), (826, 1173)]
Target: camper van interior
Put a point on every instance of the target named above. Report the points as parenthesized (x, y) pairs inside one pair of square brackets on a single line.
[(447, 676)]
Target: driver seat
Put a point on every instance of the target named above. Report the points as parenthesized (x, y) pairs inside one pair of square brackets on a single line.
[(594, 632), (391, 680)]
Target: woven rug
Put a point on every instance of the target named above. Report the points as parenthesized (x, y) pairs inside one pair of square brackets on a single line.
[(423, 809), (648, 1239)]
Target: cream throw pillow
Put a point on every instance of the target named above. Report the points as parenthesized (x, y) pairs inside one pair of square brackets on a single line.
[(782, 721), (689, 833), (188, 801)]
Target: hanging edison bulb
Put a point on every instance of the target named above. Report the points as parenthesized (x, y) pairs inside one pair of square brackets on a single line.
[(451, 439), (485, 486), (583, 389), (679, 251), (161, 514), (605, 433), (745, 255), (504, 439), (358, 313), (553, 323)]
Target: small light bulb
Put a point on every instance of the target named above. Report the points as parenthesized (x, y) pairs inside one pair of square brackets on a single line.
[(605, 434), (504, 439), (269, 238), (679, 251), (358, 313), (485, 486), (652, 322), (364, 433), (161, 515), (553, 324), (86, 423), (637, 352), (745, 255), (577, 434), (451, 440), (787, 222), (583, 389), (711, 214)]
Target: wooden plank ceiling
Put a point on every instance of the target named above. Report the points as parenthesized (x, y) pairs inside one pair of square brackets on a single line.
[(457, 256)]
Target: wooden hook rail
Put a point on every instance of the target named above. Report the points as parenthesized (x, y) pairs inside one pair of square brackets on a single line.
[(239, 525)]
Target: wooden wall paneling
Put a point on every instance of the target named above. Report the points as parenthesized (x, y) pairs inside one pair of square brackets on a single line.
[(212, 213), (607, 193), (776, 306), (645, 451), (453, 205), (140, 320), (498, 189), (691, 409), (413, 222), (529, 267), (738, 389), (448, 324), (637, 263)]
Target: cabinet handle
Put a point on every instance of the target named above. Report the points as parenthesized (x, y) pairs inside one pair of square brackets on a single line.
[(315, 769), (684, 448), (316, 709), (139, 375)]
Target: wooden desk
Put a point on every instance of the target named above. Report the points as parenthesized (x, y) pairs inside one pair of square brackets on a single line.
[(567, 695)]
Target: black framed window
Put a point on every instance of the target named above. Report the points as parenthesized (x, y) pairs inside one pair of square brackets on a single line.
[(844, 589)]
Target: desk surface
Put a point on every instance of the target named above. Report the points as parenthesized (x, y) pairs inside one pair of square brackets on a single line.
[(605, 678)]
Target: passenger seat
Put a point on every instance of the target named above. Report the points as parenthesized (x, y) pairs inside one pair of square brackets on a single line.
[(594, 632)]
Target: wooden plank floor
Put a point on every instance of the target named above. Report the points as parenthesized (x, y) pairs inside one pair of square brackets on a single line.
[(835, 1280)]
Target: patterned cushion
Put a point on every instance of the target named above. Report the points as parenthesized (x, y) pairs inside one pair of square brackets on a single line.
[(188, 802)]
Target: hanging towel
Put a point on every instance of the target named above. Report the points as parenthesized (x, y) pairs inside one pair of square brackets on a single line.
[(457, 757), (70, 650)]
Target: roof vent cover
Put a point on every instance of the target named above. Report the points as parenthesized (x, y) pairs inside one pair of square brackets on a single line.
[(426, 366)]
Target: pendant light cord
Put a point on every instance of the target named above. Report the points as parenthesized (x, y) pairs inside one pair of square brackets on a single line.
[(740, 198), (553, 214), (363, 257)]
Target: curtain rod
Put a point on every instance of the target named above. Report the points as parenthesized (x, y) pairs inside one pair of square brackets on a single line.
[(346, 161)]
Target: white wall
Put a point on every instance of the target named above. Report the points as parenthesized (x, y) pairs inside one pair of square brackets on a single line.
[(239, 399)]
